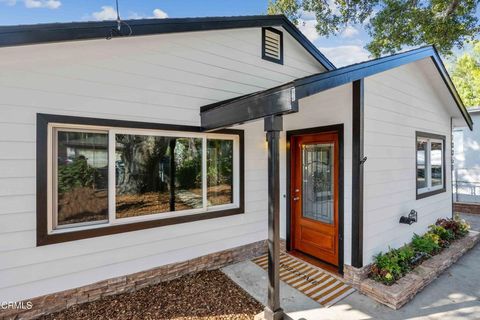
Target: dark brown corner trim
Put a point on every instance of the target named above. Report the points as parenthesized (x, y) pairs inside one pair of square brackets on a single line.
[(357, 172), (43, 238), (444, 188)]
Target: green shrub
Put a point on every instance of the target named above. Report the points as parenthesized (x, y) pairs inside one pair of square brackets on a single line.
[(446, 236), (392, 265), (395, 263), (457, 226), (76, 174), (428, 243)]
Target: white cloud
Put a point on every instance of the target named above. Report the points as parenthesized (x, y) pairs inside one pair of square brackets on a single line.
[(107, 13), (49, 4), (9, 2), (159, 14), (349, 32), (307, 23), (34, 4), (345, 55), (308, 28)]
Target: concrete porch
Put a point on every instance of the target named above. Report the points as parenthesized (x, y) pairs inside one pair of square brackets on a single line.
[(454, 295)]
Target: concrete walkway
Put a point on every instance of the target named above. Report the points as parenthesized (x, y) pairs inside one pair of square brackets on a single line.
[(454, 295)]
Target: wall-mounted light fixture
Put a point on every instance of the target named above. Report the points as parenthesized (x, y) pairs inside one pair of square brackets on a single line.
[(411, 218)]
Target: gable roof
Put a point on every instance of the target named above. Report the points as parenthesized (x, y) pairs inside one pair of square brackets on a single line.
[(316, 83), (56, 32)]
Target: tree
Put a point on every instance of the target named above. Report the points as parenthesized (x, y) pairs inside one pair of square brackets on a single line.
[(391, 24), (465, 73)]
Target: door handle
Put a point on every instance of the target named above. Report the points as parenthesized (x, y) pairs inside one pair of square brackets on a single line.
[(296, 198)]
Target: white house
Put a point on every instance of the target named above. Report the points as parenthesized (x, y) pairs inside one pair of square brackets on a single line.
[(146, 151), (466, 169)]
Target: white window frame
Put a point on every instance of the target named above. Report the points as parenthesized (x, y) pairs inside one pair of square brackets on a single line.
[(52, 174), (428, 164)]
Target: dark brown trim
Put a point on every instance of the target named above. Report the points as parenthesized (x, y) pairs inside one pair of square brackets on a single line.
[(338, 128), (270, 103), (420, 134), (357, 172), (43, 238), (264, 56)]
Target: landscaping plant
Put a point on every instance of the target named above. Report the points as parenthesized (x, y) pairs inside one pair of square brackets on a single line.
[(395, 263)]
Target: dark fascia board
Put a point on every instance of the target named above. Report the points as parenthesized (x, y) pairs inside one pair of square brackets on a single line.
[(319, 82), (57, 32), (275, 101)]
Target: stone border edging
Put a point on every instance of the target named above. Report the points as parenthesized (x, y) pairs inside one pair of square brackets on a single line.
[(59, 301), (398, 294)]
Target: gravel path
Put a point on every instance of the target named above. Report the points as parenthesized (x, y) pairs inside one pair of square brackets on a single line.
[(204, 295)]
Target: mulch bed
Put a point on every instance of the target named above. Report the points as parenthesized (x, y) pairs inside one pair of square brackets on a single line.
[(204, 295)]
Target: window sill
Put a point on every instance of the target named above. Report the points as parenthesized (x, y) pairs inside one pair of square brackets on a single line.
[(430, 193), (65, 236)]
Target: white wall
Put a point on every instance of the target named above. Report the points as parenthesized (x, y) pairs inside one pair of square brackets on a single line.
[(327, 108), (330, 107), (161, 78), (398, 103), (467, 162)]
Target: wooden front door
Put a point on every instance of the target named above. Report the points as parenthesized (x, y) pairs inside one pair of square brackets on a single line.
[(314, 195)]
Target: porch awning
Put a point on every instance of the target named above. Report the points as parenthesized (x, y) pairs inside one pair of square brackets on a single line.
[(275, 101)]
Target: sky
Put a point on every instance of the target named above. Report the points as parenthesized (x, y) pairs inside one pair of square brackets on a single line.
[(342, 49)]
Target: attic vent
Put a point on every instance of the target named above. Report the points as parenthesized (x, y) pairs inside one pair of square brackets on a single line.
[(272, 45)]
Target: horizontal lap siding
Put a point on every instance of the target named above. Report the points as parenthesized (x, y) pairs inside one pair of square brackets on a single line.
[(398, 103), (330, 107), (161, 78)]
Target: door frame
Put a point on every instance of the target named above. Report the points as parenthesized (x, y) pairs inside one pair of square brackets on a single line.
[(337, 128)]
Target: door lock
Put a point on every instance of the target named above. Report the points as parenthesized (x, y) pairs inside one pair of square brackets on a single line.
[(296, 198)]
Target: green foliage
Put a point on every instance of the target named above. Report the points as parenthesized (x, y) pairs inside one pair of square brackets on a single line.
[(76, 174), (465, 74), (188, 175), (391, 266), (446, 236), (286, 7), (428, 243), (392, 24), (463, 226), (458, 227), (219, 162), (188, 162)]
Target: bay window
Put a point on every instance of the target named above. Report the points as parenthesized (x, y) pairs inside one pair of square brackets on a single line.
[(430, 164), (114, 178)]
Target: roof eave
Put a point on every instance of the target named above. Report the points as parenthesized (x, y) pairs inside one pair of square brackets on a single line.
[(59, 32)]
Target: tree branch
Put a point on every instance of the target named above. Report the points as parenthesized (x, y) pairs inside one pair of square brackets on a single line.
[(450, 9)]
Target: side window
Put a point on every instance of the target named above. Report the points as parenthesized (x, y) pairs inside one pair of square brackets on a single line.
[(430, 164)]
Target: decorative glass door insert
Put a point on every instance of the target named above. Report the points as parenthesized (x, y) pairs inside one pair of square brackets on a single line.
[(318, 181)]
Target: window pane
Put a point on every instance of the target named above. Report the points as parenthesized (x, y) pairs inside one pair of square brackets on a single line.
[(82, 177), (219, 172), (157, 174), (188, 174), (318, 182), (436, 161), (421, 161)]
